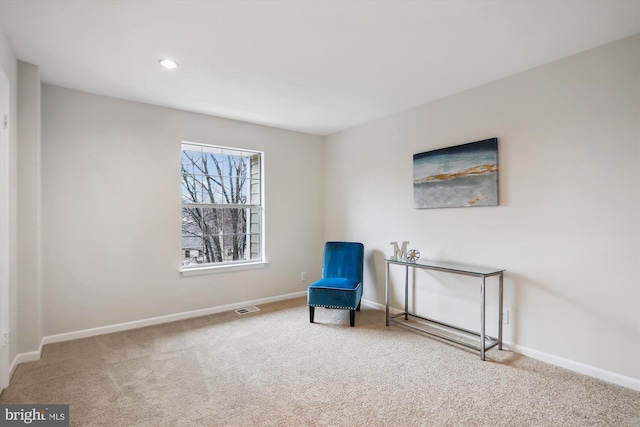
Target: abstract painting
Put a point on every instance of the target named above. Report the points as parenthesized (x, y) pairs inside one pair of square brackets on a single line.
[(459, 176)]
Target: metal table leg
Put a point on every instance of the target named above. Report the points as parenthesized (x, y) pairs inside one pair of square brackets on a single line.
[(406, 292), (386, 287), (482, 318), (500, 312)]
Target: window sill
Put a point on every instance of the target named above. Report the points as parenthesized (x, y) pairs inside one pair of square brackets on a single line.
[(213, 269)]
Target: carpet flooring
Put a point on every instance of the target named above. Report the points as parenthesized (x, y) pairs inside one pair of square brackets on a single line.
[(273, 368)]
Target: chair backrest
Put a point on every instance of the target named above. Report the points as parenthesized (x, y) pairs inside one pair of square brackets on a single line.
[(343, 259)]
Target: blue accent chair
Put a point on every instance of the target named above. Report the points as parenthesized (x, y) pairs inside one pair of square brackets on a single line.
[(341, 283)]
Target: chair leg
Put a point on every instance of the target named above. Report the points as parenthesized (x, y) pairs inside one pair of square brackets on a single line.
[(359, 302), (352, 317), (312, 310)]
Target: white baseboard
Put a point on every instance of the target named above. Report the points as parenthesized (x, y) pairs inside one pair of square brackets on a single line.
[(85, 333), (572, 365), (551, 359), (378, 306), (31, 356)]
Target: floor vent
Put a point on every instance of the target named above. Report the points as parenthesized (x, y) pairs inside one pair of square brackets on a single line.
[(246, 310)]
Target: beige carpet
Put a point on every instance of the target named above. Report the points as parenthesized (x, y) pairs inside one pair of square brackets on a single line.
[(274, 368)]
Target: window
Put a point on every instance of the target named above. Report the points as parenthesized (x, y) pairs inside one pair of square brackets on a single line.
[(222, 205)]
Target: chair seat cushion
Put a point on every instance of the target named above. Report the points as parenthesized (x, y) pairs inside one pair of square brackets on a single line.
[(335, 283), (335, 293)]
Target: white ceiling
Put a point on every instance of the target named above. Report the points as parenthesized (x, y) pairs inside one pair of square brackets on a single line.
[(310, 66)]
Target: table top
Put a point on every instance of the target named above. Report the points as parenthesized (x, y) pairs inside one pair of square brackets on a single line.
[(452, 267)]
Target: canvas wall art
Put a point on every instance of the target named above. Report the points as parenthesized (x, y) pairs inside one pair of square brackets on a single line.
[(460, 176)]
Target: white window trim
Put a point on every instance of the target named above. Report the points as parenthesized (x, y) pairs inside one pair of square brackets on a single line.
[(223, 268)]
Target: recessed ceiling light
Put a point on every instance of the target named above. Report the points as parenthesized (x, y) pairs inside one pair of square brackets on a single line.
[(168, 63)]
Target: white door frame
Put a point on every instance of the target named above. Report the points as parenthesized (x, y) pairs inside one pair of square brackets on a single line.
[(5, 237)]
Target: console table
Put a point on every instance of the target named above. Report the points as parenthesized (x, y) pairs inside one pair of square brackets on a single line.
[(485, 342)]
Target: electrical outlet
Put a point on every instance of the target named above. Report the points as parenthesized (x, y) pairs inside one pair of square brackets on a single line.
[(6, 338), (303, 276), (505, 317)]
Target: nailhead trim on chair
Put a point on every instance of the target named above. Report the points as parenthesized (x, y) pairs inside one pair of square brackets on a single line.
[(333, 306)]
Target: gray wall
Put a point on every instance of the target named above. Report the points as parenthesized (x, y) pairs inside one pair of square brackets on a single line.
[(111, 211), (567, 227), (29, 255)]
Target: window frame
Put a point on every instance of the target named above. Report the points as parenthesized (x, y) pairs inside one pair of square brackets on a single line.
[(219, 266)]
